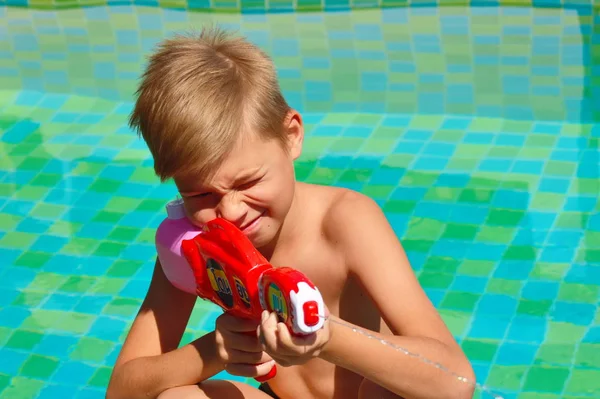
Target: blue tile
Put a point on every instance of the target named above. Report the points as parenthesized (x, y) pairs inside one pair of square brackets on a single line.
[(92, 304), (592, 335), (530, 167), (496, 304), (489, 327), (495, 165), (554, 185), (439, 149), (453, 180), (135, 289), (33, 225), (419, 135), (15, 277), (430, 163), (540, 220), (91, 393), (11, 361), (435, 295), (60, 301), (540, 290), (386, 176), (514, 269), (18, 207), (575, 313), (409, 193), (57, 391), (56, 345), (449, 248), (408, 147), (7, 296), (468, 214), (95, 230), (557, 254), (107, 328), (486, 251), (63, 264), (73, 372), (139, 252), (516, 354), (526, 236), (509, 199), (529, 329), (580, 204), (567, 238), (471, 284), (479, 138)]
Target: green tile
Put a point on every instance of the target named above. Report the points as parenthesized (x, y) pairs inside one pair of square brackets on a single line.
[(506, 377), (399, 206), (33, 260), (426, 228), (444, 194), (108, 248), (122, 307), (101, 377), (80, 246), (549, 271), (477, 196), (91, 350), (460, 231), (22, 388), (4, 381), (559, 168), (520, 252), (45, 281), (476, 267), (534, 308), (502, 286), (105, 186), (124, 268), (588, 355), (572, 220), (346, 144), (108, 286), (441, 264), (435, 280), (22, 339), (108, 217), (39, 366), (415, 178), (583, 381), (456, 321), (460, 300), (32, 163), (31, 193), (77, 323), (555, 354), (78, 284), (378, 191), (546, 379), (578, 292), (17, 240), (502, 217), (496, 234), (479, 350), (47, 211), (564, 333), (417, 245)]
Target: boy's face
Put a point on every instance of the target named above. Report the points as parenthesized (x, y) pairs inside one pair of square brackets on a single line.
[(253, 188)]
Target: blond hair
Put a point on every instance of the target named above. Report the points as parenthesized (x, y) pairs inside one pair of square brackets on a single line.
[(199, 93)]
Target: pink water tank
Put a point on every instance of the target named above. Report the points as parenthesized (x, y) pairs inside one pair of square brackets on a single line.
[(170, 233)]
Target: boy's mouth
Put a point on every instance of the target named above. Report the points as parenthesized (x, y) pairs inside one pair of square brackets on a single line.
[(248, 226)]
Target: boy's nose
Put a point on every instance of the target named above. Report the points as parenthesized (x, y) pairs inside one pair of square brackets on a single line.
[(232, 209)]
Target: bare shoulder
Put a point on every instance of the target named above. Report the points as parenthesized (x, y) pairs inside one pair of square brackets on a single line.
[(351, 215)]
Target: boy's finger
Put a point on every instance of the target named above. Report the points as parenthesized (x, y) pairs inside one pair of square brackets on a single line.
[(252, 358), (267, 332), (249, 370), (236, 324)]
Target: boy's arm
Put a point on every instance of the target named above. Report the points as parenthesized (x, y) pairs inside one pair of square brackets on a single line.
[(373, 254), (149, 362)]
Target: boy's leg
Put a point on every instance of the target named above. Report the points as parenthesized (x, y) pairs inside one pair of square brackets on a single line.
[(215, 389), (368, 390)]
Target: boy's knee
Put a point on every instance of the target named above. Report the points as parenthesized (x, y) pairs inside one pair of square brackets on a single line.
[(369, 390), (187, 392)]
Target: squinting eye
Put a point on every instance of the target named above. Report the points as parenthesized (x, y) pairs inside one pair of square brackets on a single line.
[(249, 184)]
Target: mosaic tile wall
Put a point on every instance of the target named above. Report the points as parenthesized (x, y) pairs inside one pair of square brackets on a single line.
[(494, 197), (254, 6), (519, 63)]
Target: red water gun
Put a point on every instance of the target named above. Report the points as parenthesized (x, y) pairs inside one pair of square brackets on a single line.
[(231, 273)]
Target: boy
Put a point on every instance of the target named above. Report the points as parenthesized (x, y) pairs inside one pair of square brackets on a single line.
[(210, 109)]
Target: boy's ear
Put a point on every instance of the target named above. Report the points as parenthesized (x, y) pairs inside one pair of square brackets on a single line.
[(295, 132)]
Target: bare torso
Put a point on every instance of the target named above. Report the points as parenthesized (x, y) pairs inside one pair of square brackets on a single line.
[(312, 253)]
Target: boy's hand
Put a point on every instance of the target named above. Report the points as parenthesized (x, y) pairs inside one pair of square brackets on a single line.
[(238, 347), (287, 349)]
